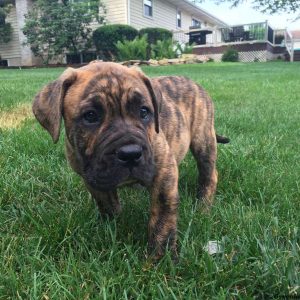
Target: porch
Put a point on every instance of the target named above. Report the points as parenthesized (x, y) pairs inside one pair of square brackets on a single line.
[(254, 42), (292, 42)]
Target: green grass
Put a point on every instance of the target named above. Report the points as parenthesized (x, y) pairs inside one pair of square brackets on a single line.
[(53, 246)]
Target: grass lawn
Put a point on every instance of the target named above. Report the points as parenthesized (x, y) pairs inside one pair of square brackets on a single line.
[(53, 246)]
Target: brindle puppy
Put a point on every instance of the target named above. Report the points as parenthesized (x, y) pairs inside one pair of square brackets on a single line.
[(123, 128)]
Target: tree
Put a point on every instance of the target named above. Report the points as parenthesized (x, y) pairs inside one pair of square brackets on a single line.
[(5, 28), (267, 6), (53, 27)]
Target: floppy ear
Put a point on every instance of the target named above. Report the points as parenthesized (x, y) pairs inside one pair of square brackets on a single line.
[(156, 99), (155, 95), (48, 103)]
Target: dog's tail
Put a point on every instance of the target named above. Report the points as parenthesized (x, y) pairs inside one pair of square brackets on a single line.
[(222, 139)]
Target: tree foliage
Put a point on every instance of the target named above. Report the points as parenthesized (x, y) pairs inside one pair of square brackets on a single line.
[(5, 28), (267, 6), (54, 27)]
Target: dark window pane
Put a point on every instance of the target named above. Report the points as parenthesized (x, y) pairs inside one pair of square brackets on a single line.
[(178, 18), (148, 10)]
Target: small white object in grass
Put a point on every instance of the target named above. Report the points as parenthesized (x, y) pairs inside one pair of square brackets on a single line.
[(214, 247)]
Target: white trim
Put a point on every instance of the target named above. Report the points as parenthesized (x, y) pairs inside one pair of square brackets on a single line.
[(128, 12)]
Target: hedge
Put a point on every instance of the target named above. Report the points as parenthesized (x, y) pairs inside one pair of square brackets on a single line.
[(106, 37)]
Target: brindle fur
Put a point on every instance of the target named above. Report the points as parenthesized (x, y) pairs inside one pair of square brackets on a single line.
[(182, 117)]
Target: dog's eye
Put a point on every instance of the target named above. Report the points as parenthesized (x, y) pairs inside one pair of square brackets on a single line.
[(144, 113), (91, 117)]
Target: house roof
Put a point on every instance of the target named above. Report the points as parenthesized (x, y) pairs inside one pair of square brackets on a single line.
[(198, 12)]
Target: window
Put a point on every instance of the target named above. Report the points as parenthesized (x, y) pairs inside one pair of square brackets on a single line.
[(178, 19), (148, 8), (196, 23)]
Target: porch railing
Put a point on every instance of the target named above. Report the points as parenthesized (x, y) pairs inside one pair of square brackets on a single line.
[(289, 44), (261, 31), (248, 32)]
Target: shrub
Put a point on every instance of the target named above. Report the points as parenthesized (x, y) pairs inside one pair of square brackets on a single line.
[(2, 17), (163, 49), (154, 35), (230, 55), (184, 48), (106, 38), (136, 49)]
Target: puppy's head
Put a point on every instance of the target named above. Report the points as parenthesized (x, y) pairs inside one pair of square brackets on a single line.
[(110, 114)]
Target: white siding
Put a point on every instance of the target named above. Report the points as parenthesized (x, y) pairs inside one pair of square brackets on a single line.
[(186, 20), (12, 49), (164, 15), (116, 11)]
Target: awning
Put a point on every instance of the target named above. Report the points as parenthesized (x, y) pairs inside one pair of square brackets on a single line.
[(203, 31)]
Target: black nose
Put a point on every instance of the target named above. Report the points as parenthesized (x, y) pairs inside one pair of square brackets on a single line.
[(130, 154)]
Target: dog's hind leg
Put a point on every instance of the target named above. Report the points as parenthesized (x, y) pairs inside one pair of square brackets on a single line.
[(204, 149)]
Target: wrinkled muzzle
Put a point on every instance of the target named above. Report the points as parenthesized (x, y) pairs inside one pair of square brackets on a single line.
[(122, 158)]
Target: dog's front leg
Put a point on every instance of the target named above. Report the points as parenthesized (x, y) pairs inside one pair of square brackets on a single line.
[(163, 215), (108, 202)]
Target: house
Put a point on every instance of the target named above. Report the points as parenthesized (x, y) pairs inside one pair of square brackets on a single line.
[(175, 15), (14, 53)]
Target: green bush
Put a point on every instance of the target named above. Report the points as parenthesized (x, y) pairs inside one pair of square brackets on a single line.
[(156, 34), (230, 55), (106, 38), (163, 49), (5, 28), (2, 17), (5, 33), (184, 48), (153, 35), (136, 49)]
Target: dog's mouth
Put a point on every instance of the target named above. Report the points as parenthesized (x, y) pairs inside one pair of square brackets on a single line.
[(129, 164), (119, 177)]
